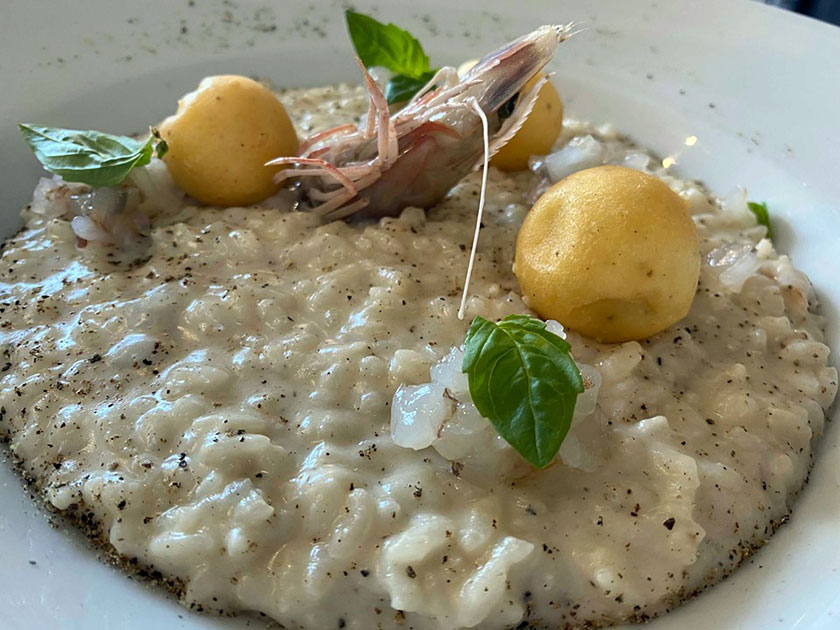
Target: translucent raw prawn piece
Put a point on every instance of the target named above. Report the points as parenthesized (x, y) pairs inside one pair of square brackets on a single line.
[(440, 414), (105, 215)]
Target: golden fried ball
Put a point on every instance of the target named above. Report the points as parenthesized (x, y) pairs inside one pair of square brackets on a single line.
[(539, 131), (611, 253), (221, 137)]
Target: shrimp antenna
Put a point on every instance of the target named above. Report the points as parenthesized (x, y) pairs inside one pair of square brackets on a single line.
[(486, 130)]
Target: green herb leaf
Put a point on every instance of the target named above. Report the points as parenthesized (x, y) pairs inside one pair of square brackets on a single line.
[(762, 216), (89, 157), (401, 88), (161, 149), (391, 47), (524, 381), (386, 45)]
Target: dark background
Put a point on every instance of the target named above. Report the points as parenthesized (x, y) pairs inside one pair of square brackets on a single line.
[(828, 10)]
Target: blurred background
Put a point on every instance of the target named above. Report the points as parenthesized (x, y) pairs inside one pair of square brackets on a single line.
[(827, 10)]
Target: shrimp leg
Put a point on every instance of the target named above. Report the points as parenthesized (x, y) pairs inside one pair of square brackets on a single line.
[(386, 133), (317, 137), (325, 209), (322, 168)]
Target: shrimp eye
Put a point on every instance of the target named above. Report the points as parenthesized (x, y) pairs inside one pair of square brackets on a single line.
[(506, 110)]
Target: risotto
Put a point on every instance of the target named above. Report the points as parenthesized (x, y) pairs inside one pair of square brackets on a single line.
[(268, 409)]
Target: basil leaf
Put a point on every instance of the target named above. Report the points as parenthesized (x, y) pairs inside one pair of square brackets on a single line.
[(401, 88), (524, 381), (161, 149), (762, 216), (89, 157), (386, 45)]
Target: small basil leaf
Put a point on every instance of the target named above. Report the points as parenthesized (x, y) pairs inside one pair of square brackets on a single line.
[(161, 149), (386, 45), (89, 157), (524, 381), (762, 216), (402, 88)]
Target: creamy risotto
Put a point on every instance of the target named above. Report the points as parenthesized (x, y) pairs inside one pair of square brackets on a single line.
[(268, 408)]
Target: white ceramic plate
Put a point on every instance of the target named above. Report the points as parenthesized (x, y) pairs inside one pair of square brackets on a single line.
[(756, 86)]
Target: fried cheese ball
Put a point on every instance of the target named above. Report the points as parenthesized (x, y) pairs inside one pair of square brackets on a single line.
[(610, 252), (221, 137)]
